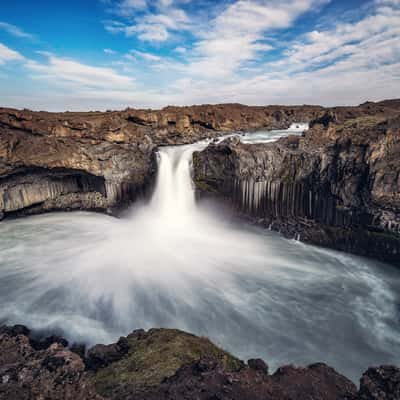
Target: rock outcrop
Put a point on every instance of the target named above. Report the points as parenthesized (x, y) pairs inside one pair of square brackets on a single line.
[(337, 186), (168, 364), (101, 161)]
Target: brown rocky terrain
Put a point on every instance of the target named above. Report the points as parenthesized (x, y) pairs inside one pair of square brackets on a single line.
[(168, 364), (101, 161), (338, 185)]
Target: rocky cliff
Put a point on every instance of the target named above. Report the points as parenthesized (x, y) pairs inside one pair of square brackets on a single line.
[(101, 161), (163, 364), (338, 185)]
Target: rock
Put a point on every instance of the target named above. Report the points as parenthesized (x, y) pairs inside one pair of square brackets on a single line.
[(258, 365), (104, 161), (167, 364), (79, 349), (53, 373), (42, 344), (15, 330), (382, 383), (336, 186), (101, 355), (153, 357)]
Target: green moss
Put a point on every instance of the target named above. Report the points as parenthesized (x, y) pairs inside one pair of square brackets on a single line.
[(157, 355)]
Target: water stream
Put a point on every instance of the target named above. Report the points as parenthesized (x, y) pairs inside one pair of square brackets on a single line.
[(174, 263)]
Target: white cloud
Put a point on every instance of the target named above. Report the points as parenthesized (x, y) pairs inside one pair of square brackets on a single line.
[(149, 26), (180, 50), (344, 63), (146, 56), (237, 34), (372, 40), (15, 31), (129, 7), (109, 51), (130, 57), (75, 75), (7, 55), (151, 32)]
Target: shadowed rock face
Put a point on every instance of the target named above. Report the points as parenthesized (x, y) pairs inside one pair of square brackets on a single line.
[(338, 185), (101, 161), (168, 364)]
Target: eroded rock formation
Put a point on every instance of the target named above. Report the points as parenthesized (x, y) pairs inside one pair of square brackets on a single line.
[(338, 185), (168, 364), (100, 161)]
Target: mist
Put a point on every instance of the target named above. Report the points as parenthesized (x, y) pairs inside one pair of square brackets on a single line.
[(174, 263)]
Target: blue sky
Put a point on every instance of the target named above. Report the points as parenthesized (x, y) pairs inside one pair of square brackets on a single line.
[(110, 54)]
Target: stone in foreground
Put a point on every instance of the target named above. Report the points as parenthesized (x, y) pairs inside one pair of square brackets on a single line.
[(168, 364)]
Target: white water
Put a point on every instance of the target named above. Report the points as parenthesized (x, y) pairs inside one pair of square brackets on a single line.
[(272, 136), (171, 263)]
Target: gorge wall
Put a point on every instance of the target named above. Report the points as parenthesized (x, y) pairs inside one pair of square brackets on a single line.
[(337, 186), (102, 161)]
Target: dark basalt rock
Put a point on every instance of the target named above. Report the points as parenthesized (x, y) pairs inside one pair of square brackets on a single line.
[(104, 161), (53, 373), (336, 186), (101, 355), (382, 383), (42, 344), (169, 364), (258, 365)]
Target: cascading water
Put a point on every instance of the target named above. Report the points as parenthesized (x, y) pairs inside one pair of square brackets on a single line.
[(172, 263)]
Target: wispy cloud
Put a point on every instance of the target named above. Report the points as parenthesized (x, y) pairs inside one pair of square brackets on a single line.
[(232, 53), (237, 35), (7, 55), (109, 51), (77, 75), (150, 26), (15, 31), (146, 56)]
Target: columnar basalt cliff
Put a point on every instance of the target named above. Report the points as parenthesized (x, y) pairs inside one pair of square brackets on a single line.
[(101, 161), (338, 185), (163, 364)]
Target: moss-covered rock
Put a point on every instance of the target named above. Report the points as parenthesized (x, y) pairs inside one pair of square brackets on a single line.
[(156, 355)]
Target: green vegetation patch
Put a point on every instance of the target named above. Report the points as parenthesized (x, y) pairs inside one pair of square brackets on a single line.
[(155, 356)]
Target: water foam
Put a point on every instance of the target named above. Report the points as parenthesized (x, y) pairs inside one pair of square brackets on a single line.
[(172, 263)]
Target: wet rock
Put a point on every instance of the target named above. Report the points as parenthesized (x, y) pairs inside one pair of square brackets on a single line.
[(382, 383)]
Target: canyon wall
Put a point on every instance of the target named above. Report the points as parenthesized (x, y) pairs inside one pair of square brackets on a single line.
[(103, 161), (337, 186)]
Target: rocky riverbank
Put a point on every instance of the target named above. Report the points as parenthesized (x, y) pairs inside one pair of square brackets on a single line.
[(338, 185), (167, 364)]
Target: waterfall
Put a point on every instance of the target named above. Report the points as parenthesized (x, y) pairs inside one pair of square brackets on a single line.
[(174, 263), (174, 196)]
